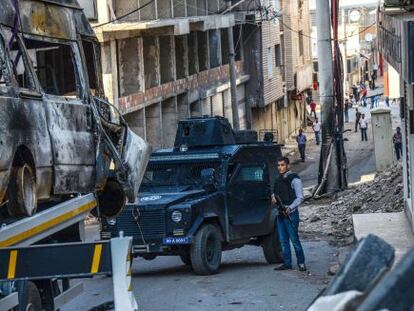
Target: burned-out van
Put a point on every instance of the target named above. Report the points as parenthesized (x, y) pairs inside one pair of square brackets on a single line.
[(58, 134)]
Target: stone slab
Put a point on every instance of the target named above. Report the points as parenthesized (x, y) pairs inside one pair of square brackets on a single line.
[(394, 228)]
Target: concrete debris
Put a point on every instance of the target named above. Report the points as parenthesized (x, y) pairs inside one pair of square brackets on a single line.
[(333, 216), (333, 269)]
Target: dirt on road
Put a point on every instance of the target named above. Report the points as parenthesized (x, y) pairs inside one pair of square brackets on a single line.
[(332, 217)]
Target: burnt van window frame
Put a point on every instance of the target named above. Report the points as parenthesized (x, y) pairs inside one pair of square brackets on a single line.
[(91, 54), (25, 81), (52, 81)]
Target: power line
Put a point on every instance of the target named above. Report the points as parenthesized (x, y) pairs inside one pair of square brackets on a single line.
[(125, 15)]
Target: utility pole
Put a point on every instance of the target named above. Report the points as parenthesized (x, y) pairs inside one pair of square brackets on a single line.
[(232, 68), (328, 176)]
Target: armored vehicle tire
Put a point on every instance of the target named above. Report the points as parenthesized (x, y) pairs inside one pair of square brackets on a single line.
[(205, 251), (186, 258), (22, 192), (29, 297), (271, 248)]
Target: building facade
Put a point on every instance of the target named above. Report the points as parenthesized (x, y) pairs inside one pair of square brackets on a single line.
[(168, 61), (396, 28), (278, 59)]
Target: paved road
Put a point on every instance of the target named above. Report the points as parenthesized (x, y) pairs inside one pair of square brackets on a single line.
[(360, 155), (245, 282)]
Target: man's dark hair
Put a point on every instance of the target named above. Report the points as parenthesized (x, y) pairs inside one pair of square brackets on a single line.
[(284, 159)]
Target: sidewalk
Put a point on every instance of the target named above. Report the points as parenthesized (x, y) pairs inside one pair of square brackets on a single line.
[(394, 228)]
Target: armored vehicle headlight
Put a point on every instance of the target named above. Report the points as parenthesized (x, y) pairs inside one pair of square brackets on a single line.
[(111, 221), (176, 216)]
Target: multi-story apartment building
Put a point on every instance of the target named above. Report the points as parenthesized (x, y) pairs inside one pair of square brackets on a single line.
[(168, 61), (278, 59)]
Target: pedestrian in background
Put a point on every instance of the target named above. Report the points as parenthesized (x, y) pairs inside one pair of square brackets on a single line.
[(387, 101), (355, 92), (357, 118), (397, 141), (313, 108), (363, 126), (301, 140), (289, 189), (316, 126), (364, 93), (346, 109)]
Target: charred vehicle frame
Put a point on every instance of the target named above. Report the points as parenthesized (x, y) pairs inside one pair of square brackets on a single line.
[(58, 133)]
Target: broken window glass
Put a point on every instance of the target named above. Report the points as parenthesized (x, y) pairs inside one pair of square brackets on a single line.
[(90, 59), (54, 64), (19, 63)]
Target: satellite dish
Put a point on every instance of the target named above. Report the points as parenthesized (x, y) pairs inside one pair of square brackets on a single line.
[(354, 16), (368, 37)]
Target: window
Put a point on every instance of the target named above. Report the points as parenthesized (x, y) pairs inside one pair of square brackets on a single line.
[(91, 64), (301, 43), (54, 66), (269, 62), (251, 174), (18, 60), (278, 55)]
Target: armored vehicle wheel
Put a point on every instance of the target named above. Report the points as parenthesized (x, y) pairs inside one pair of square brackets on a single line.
[(22, 192), (186, 258), (29, 297), (271, 248), (205, 252)]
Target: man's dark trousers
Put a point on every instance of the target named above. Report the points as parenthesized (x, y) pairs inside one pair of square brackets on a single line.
[(364, 134), (288, 231), (398, 150), (302, 148)]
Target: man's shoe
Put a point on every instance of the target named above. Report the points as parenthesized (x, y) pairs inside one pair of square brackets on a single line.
[(302, 267), (282, 267)]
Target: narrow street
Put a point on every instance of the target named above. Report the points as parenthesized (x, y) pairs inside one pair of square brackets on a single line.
[(245, 281)]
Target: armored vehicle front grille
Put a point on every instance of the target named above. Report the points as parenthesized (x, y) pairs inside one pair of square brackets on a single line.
[(150, 222)]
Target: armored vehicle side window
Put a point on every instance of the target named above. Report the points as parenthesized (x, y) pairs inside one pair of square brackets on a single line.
[(91, 56), (55, 67), (18, 60), (250, 174)]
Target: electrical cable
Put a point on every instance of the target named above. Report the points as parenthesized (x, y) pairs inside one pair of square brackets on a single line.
[(125, 15)]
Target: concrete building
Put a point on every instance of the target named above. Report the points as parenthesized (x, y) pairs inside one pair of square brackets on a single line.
[(168, 61), (396, 26), (278, 59), (357, 33)]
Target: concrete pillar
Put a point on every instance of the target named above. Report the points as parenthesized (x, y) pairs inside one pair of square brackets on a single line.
[(169, 121), (136, 121), (217, 104), (382, 134), (214, 43), (183, 108), (153, 125), (193, 67), (181, 57), (167, 58), (103, 11), (131, 75), (227, 106), (151, 62), (203, 51), (114, 73)]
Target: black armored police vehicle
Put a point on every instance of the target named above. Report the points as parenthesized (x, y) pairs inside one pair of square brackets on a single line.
[(211, 192)]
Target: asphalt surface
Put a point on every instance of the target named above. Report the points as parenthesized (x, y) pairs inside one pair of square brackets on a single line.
[(245, 282)]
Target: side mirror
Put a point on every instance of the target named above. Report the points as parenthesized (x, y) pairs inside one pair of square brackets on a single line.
[(207, 179)]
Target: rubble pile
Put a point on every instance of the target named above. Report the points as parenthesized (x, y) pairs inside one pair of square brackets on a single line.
[(333, 217)]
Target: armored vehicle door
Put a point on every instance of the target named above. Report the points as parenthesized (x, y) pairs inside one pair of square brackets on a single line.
[(249, 201), (61, 76)]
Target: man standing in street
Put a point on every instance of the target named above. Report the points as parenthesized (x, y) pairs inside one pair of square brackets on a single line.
[(346, 109), (357, 118), (313, 108), (317, 130), (301, 140), (355, 92), (363, 126), (288, 187), (397, 140)]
